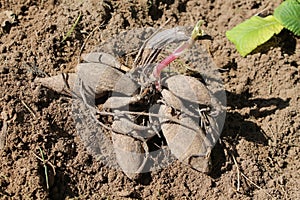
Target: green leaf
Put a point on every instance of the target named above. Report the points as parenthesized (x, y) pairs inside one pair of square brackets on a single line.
[(288, 14), (253, 32)]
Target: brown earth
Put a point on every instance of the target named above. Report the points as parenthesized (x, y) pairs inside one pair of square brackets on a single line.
[(261, 133)]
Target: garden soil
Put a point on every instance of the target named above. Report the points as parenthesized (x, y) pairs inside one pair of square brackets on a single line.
[(258, 153)]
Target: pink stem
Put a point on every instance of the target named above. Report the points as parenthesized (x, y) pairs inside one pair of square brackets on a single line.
[(175, 54), (163, 64), (171, 58)]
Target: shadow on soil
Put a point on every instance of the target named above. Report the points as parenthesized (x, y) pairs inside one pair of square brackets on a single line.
[(236, 126), (285, 40), (239, 126)]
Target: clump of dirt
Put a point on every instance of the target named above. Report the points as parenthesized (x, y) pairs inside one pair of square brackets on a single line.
[(259, 141)]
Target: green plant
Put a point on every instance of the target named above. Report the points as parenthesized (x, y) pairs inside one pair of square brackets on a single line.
[(72, 28), (45, 168), (257, 30)]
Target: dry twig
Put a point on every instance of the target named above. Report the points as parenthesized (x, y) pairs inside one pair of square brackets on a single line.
[(248, 179), (28, 108)]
